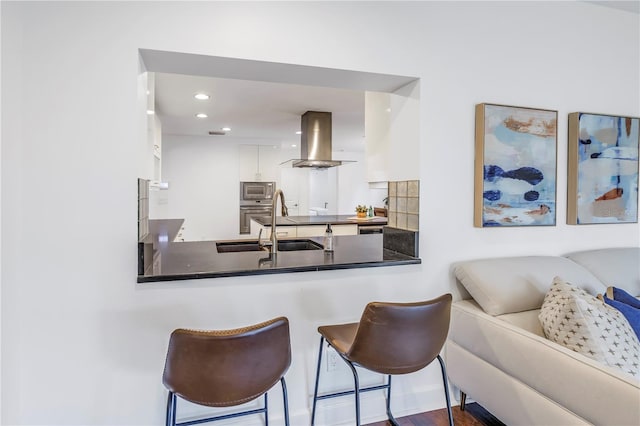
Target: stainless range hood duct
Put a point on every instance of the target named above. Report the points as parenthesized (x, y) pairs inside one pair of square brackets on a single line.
[(315, 141)]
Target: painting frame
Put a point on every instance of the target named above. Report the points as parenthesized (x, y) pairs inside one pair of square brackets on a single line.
[(602, 163), (516, 152)]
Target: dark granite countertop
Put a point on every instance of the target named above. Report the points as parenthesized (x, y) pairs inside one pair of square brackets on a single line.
[(320, 220), (200, 259)]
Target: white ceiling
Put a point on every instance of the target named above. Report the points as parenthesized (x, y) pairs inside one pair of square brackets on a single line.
[(256, 111)]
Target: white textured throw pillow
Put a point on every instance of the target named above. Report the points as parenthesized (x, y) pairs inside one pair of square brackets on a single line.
[(573, 318)]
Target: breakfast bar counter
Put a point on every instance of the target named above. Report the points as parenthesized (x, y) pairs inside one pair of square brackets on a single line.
[(201, 259)]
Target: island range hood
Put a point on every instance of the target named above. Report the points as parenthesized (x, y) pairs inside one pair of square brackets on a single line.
[(315, 141)]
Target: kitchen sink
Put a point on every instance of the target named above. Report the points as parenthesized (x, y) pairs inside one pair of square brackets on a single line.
[(236, 246), (283, 245), (293, 245)]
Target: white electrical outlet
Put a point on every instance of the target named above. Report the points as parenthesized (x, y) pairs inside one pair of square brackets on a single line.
[(332, 359)]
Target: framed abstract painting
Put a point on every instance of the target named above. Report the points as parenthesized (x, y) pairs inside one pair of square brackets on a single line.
[(515, 166), (602, 182)]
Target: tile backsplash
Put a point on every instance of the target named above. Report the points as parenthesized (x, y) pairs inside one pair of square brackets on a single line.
[(404, 204)]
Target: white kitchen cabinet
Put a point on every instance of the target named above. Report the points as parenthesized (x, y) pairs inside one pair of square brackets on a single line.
[(258, 163), (319, 230), (303, 231), (377, 124), (247, 164), (345, 229), (281, 231), (284, 232), (310, 230), (392, 134), (154, 128)]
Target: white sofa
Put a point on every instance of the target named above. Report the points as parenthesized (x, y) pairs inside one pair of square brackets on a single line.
[(497, 353)]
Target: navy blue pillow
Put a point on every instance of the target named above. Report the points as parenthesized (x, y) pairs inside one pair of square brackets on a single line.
[(620, 295), (630, 313)]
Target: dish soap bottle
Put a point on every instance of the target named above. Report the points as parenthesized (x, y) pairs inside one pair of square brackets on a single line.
[(328, 238)]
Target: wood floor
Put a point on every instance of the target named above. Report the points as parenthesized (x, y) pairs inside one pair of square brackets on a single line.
[(473, 415)]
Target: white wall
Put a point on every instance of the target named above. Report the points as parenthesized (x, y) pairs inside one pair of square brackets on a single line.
[(82, 343), (204, 186)]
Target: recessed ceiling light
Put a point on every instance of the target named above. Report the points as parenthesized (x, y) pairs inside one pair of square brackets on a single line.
[(201, 115), (299, 132), (150, 112), (226, 129), (201, 96), (293, 145)]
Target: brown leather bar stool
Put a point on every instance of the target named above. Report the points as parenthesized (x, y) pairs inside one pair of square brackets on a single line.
[(391, 338), (227, 368)]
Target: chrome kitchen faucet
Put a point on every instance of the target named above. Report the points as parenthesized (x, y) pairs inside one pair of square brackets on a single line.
[(284, 212)]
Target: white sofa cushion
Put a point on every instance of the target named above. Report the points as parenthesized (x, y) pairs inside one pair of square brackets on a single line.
[(515, 284), (617, 267), (584, 324)]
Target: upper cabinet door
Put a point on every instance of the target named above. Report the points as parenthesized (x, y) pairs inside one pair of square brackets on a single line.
[(259, 163), (377, 123), (392, 129)]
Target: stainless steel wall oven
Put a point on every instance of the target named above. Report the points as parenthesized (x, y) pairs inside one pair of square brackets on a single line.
[(256, 199)]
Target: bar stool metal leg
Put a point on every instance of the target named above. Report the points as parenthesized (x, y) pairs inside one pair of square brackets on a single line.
[(315, 392), (356, 383), (446, 389), (286, 401), (167, 420), (171, 409), (389, 415)]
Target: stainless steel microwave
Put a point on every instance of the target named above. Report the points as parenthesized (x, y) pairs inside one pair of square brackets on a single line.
[(251, 191)]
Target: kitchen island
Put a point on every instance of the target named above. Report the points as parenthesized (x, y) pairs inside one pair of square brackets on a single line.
[(202, 259)]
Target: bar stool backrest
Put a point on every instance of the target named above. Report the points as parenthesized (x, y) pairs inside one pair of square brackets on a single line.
[(400, 338), (228, 367)]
